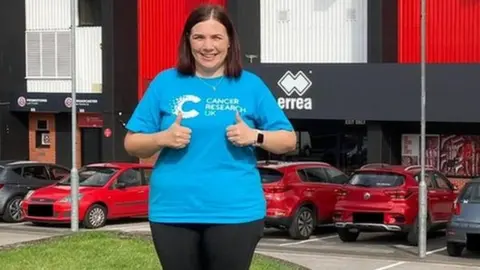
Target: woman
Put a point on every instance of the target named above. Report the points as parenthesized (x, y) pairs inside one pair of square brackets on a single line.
[(206, 117)]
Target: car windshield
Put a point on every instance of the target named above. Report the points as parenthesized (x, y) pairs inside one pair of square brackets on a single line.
[(471, 193), (91, 177), (374, 179), (270, 175)]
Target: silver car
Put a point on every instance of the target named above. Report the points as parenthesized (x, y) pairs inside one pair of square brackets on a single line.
[(463, 230)]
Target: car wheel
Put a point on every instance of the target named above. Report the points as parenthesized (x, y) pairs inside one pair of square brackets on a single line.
[(13, 211), (455, 249), (96, 217), (303, 224), (347, 236), (412, 235)]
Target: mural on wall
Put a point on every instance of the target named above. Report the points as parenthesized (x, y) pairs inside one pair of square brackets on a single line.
[(453, 155)]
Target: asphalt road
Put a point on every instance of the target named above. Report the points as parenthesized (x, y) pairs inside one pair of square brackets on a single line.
[(372, 251), (381, 249)]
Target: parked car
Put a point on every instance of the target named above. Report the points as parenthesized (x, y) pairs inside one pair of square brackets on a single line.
[(106, 191), (18, 177), (383, 197), (463, 230), (300, 195)]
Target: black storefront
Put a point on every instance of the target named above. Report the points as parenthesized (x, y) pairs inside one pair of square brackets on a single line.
[(350, 114), (13, 126)]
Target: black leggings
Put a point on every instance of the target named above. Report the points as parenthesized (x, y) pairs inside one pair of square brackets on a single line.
[(206, 247)]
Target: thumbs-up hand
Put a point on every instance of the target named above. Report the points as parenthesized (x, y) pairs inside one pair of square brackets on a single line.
[(240, 134), (178, 136)]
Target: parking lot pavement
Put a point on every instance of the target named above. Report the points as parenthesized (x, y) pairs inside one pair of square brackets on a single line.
[(327, 241), (389, 248), (14, 237), (336, 262)]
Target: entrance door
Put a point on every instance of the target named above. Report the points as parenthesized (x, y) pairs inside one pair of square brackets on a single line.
[(91, 145)]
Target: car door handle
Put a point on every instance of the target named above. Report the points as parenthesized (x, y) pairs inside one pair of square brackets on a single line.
[(310, 189), (141, 191)]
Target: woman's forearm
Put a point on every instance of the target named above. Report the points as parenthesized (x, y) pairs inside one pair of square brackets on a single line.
[(279, 142), (144, 145)]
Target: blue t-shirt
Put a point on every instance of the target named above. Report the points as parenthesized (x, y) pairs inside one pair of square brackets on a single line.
[(210, 180)]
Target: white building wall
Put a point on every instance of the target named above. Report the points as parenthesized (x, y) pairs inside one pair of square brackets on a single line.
[(313, 31), (48, 64)]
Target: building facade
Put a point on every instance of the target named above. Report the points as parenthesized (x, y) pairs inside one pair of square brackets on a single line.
[(346, 73), (36, 76)]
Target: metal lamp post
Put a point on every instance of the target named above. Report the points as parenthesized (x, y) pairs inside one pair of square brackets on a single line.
[(74, 172), (422, 201)]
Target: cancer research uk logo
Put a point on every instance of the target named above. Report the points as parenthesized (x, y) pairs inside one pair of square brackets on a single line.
[(211, 106), (294, 86)]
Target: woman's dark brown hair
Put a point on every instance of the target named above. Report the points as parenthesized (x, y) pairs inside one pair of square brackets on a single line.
[(186, 62)]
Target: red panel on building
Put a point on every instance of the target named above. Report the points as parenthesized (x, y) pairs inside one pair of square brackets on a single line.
[(453, 31), (160, 25)]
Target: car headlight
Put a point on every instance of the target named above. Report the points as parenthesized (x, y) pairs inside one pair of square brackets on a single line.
[(29, 194), (68, 199)]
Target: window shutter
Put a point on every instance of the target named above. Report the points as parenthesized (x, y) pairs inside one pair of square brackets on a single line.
[(48, 54), (63, 54), (33, 54)]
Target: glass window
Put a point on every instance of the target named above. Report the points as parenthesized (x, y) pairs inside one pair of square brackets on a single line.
[(38, 172), (92, 176), (315, 175), (90, 12), (428, 180), (147, 173), (442, 182), (270, 175), (380, 179), (131, 178), (57, 173), (475, 197), (342, 145), (336, 176)]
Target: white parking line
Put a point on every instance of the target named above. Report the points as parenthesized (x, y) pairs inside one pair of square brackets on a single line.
[(307, 241), (390, 266), (436, 250), (328, 237)]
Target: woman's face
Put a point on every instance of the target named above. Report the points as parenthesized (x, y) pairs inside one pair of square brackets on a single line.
[(209, 42)]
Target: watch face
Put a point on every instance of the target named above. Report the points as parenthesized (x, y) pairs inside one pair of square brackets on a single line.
[(260, 138)]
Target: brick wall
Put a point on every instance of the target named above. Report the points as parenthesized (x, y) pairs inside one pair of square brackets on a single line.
[(41, 154), (47, 154)]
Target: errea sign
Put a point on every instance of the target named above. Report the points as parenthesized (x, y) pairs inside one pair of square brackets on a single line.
[(296, 85)]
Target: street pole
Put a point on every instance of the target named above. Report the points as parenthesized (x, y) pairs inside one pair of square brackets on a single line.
[(422, 201), (74, 171)]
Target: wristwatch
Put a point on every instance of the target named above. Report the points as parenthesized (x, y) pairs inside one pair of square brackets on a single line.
[(260, 138)]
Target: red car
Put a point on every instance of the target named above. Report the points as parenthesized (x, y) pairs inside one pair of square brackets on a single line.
[(384, 198), (300, 195), (107, 191)]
